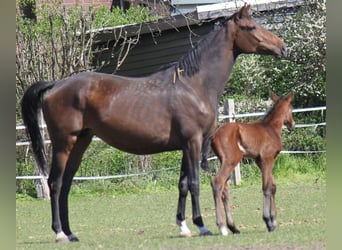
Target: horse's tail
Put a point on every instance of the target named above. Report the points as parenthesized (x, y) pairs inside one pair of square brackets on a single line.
[(30, 109), (205, 151)]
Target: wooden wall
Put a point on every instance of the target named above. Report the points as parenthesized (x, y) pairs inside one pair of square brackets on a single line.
[(153, 51)]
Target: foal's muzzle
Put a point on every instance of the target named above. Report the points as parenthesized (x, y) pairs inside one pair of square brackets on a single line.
[(283, 50), (290, 126)]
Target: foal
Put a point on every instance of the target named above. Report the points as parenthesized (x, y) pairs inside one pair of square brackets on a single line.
[(259, 140)]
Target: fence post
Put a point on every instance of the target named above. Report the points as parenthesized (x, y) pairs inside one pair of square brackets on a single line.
[(229, 109), (42, 187)]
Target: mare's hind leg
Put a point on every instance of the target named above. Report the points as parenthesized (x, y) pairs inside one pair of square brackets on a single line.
[(269, 190), (229, 217), (60, 155), (72, 166)]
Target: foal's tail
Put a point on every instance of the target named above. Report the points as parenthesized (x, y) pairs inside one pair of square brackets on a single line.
[(30, 107)]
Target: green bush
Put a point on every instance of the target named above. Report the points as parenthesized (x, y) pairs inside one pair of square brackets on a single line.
[(288, 167), (306, 139), (103, 17)]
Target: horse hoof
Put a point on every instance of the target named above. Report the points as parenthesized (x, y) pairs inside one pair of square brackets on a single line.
[(73, 238), (62, 240), (271, 228), (205, 167), (233, 229), (206, 233), (61, 237), (185, 234)]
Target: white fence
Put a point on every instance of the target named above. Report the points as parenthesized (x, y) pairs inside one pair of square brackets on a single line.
[(221, 117)]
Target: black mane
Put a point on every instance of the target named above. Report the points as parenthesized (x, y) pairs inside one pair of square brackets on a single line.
[(190, 62)]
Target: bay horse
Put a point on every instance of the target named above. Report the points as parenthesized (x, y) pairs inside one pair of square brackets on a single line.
[(172, 109), (259, 140)]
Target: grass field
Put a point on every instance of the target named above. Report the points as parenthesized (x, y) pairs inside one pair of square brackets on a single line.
[(147, 221)]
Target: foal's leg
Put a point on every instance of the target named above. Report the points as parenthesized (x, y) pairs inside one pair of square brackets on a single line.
[(218, 185), (269, 190), (227, 150), (229, 217), (73, 163)]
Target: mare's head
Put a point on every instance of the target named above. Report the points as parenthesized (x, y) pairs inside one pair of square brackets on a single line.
[(250, 37), (284, 106)]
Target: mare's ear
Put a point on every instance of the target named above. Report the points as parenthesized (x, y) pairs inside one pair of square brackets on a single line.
[(244, 11), (274, 97)]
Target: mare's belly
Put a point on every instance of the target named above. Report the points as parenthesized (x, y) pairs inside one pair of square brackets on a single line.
[(139, 140)]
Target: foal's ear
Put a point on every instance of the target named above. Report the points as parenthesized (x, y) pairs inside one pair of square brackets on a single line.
[(290, 95), (274, 97), (244, 11)]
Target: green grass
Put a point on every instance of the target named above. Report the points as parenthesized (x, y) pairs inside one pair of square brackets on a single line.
[(147, 220)]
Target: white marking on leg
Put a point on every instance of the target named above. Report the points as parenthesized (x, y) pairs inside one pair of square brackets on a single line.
[(61, 237), (184, 230), (224, 231)]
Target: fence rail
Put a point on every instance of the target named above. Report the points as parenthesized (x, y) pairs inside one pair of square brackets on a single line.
[(263, 113), (221, 117)]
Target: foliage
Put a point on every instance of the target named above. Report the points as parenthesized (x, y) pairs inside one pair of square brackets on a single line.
[(27, 4), (288, 168), (103, 17), (304, 69), (306, 139), (59, 44)]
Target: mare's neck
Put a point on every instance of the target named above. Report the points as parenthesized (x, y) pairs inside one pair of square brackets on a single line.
[(217, 63)]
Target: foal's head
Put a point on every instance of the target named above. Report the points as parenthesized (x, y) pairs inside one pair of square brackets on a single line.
[(285, 108), (250, 37)]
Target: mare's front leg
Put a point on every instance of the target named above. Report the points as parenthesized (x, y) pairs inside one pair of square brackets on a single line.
[(269, 190), (189, 180), (183, 188)]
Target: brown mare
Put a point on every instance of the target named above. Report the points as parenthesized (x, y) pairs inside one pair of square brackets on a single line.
[(173, 109), (259, 140)]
